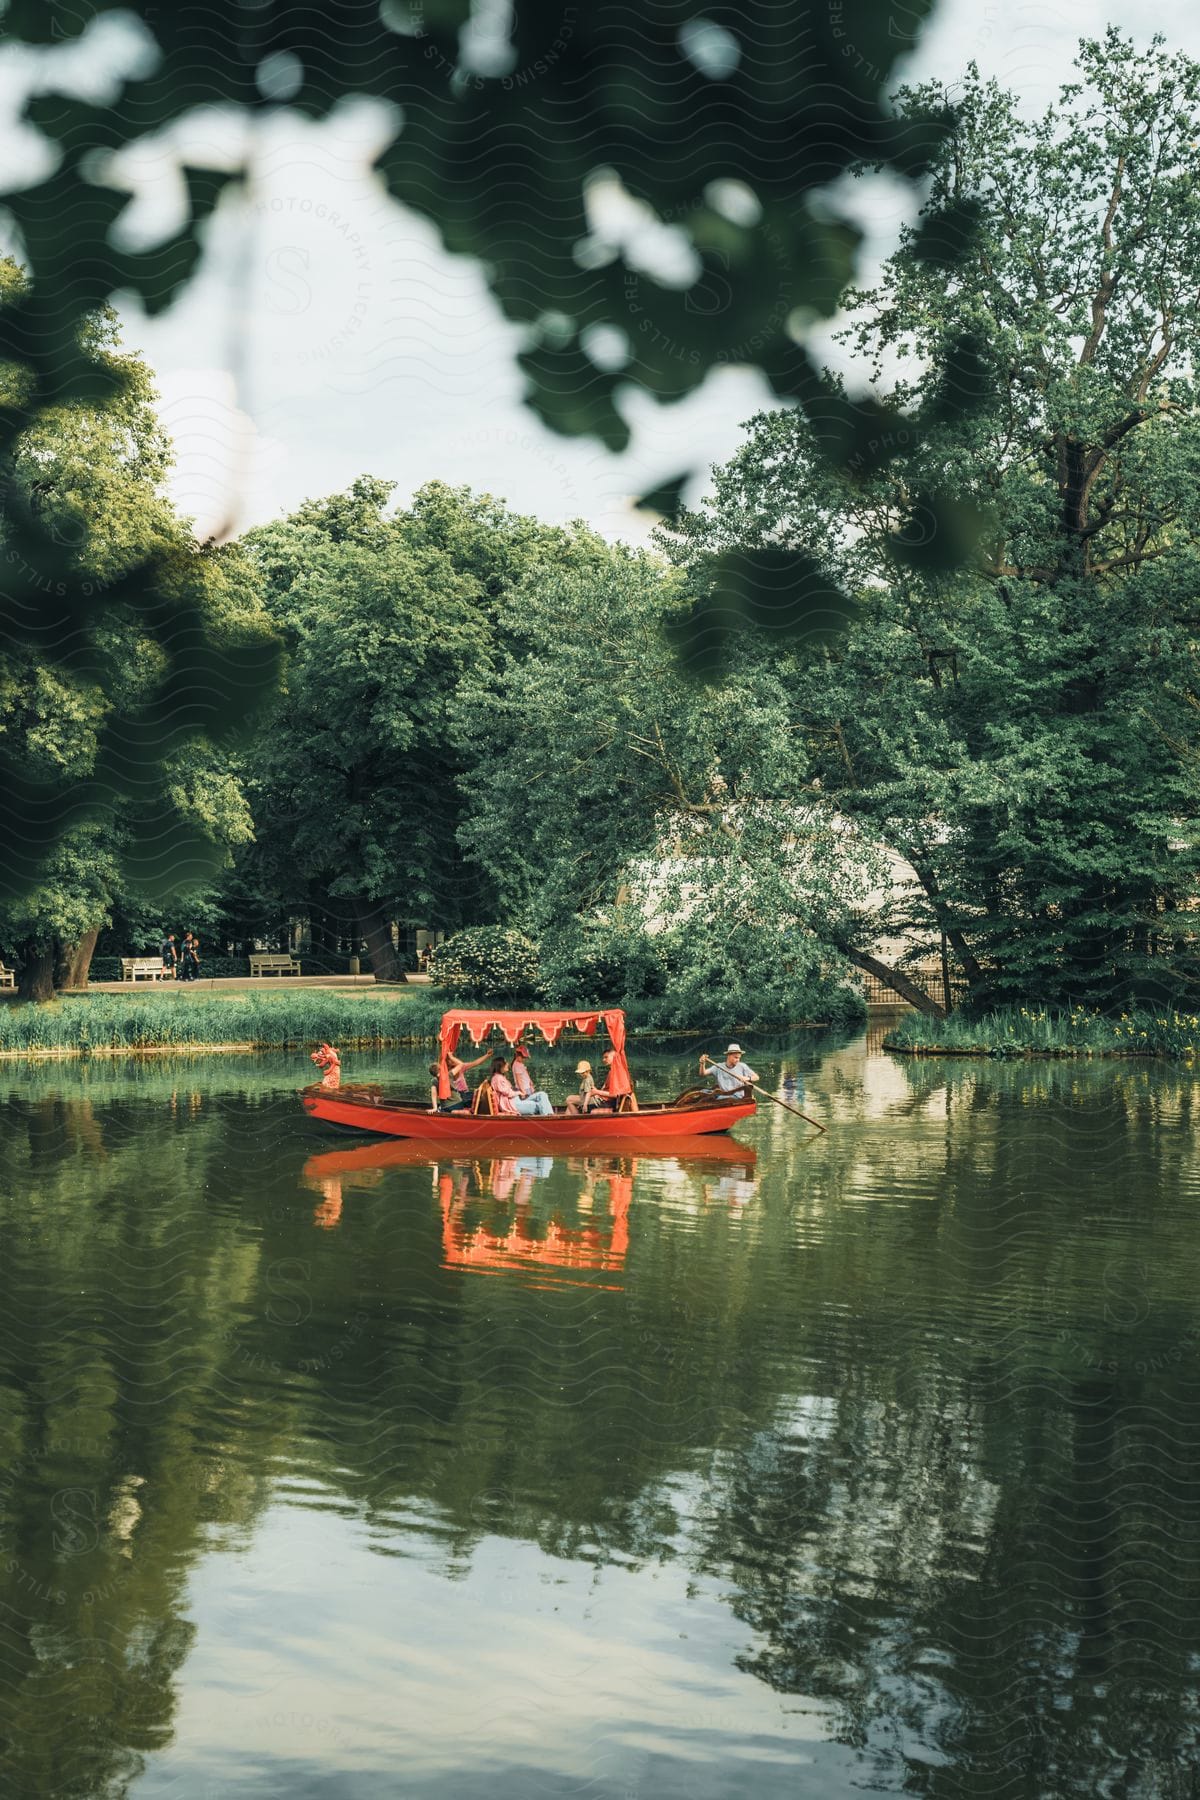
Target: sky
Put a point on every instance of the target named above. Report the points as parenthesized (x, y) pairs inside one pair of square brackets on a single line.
[(327, 334)]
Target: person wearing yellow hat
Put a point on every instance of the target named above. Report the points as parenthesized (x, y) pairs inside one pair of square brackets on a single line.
[(580, 1102), (732, 1076)]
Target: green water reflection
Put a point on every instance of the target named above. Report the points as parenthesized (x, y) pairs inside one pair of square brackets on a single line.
[(862, 1463)]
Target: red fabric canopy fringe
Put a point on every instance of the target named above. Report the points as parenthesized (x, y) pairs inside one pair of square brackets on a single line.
[(549, 1024)]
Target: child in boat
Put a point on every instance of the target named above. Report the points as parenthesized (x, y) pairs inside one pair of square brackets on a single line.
[(608, 1098), (509, 1101), (460, 1093), (455, 1103), (584, 1101), (523, 1082)]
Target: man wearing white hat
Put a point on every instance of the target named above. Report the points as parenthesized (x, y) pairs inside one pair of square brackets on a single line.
[(732, 1075)]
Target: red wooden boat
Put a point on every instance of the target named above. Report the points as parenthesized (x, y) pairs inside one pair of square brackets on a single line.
[(366, 1108), (707, 1155)]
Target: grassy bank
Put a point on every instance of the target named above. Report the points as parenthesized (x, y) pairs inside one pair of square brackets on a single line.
[(83, 1024), (1026, 1031), (154, 1020)]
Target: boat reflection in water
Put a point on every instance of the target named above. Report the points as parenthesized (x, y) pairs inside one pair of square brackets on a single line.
[(554, 1219), (493, 1221)]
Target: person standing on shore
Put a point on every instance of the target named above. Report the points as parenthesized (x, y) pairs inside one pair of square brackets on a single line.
[(195, 974), (170, 956), (185, 958)]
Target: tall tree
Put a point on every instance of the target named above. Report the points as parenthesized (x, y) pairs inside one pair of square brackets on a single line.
[(358, 781), (1023, 732), (631, 795), (157, 805)]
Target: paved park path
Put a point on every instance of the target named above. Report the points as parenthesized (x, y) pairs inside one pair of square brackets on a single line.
[(245, 984)]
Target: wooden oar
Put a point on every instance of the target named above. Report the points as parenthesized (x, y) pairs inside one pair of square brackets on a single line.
[(748, 1088), (791, 1109)]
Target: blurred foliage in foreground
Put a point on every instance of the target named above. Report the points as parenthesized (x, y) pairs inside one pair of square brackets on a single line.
[(720, 126)]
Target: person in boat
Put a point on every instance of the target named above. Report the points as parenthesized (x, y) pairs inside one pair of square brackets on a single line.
[(524, 1083), (455, 1103), (585, 1100), (328, 1060), (732, 1076), (460, 1093), (608, 1098), (509, 1101)]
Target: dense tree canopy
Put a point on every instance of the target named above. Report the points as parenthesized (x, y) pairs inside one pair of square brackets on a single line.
[(516, 130), (486, 721), (153, 803), (359, 782), (629, 795), (1023, 732)]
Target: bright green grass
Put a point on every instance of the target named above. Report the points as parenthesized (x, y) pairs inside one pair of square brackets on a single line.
[(1028, 1030), (268, 1021)]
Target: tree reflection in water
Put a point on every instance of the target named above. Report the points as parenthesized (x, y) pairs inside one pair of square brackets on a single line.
[(919, 1401)]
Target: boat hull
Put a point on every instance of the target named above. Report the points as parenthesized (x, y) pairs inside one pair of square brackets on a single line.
[(707, 1152), (562, 1131)]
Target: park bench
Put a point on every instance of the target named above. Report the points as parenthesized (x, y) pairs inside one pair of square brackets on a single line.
[(7, 978), (273, 965), (142, 968)]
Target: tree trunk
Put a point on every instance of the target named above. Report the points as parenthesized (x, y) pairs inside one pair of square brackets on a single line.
[(967, 961), (377, 930), (323, 941), (37, 971), (73, 961), (898, 982)]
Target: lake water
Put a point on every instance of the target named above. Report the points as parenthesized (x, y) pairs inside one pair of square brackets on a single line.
[(816, 1466)]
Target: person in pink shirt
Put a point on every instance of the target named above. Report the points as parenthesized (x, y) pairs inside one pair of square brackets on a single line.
[(542, 1106), (508, 1101), (504, 1094)]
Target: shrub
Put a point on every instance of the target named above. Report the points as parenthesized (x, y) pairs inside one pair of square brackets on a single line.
[(749, 979), (707, 975), (612, 964), (1051, 1031), (487, 963)]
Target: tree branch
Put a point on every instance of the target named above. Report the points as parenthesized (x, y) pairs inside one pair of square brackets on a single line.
[(897, 980)]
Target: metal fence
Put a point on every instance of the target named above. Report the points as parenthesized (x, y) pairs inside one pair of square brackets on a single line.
[(927, 976)]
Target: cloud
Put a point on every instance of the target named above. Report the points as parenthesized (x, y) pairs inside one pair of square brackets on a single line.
[(225, 469)]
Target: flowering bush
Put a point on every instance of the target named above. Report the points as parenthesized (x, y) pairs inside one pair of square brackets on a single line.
[(485, 963)]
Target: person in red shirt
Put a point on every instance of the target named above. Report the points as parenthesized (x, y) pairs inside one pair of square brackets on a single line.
[(608, 1097)]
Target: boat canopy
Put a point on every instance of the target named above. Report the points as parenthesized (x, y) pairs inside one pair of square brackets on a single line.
[(549, 1024)]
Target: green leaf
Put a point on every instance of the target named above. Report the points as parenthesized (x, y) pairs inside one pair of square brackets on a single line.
[(945, 239), (667, 497)]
